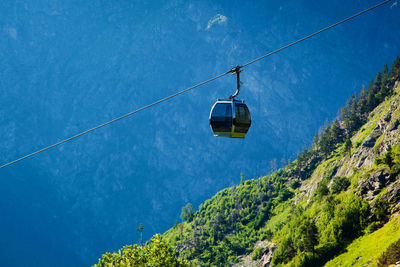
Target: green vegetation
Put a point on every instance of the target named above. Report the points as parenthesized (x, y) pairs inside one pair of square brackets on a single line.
[(379, 246), (257, 253), (307, 240), (391, 159), (155, 253), (187, 212), (391, 255), (229, 224), (339, 184)]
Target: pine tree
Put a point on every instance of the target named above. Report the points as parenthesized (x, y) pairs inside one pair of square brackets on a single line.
[(347, 145), (337, 132), (325, 142), (377, 83), (354, 114), (362, 104), (394, 72), (371, 97), (315, 140), (385, 90), (350, 114), (376, 88), (388, 159)]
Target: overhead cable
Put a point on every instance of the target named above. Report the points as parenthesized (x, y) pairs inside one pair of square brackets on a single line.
[(190, 88)]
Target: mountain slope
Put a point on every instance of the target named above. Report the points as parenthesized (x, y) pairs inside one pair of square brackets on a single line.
[(344, 188), (360, 252)]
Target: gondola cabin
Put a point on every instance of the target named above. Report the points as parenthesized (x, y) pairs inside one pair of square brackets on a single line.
[(230, 118)]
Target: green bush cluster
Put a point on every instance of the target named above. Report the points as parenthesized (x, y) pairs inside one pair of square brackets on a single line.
[(309, 241), (391, 159), (229, 224), (257, 253), (339, 184), (155, 253), (391, 255)]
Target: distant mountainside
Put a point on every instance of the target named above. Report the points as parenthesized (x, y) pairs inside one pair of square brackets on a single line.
[(67, 66), (325, 208)]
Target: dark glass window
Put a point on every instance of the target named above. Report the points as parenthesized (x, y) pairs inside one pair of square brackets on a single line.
[(221, 117), (242, 118)]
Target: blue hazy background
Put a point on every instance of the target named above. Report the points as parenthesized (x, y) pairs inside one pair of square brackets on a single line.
[(66, 66)]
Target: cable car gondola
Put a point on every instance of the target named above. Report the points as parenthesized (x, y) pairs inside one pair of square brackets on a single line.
[(230, 117)]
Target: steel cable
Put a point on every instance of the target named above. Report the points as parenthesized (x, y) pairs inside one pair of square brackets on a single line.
[(190, 88)]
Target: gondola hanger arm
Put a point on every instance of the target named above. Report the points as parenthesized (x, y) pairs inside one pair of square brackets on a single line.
[(236, 70)]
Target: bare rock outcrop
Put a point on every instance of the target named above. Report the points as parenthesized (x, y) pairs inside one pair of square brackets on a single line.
[(373, 185)]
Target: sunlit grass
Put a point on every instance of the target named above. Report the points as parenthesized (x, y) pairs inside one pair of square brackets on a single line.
[(365, 250)]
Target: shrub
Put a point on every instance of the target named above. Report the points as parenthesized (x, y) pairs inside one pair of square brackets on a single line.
[(295, 184), (154, 253), (391, 255), (257, 253), (322, 189), (339, 184)]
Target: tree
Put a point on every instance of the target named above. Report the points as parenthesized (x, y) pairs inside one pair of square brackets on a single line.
[(347, 145), (339, 184), (306, 236), (394, 74), (385, 90), (371, 99), (337, 132), (388, 159), (377, 83), (140, 230), (391, 255), (325, 142), (181, 226), (362, 104), (285, 251), (380, 210), (315, 140), (322, 189), (351, 115), (155, 253), (374, 92), (187, 212)]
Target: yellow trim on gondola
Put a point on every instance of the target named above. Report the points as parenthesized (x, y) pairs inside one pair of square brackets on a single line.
[(231, 134)]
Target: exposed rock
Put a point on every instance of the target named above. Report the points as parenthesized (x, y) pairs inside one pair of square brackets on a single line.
[(392, 196), (361, 160), (396, 209), (370, 187), (394, 125), (370, 142), (266, 259), (381, 124)]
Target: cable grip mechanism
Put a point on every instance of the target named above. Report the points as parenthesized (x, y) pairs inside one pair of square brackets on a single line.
[(236, 70)]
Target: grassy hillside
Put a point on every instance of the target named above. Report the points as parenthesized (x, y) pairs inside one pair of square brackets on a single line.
[(368, 249)]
